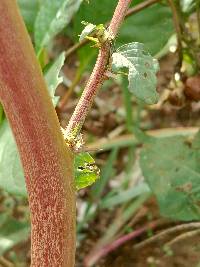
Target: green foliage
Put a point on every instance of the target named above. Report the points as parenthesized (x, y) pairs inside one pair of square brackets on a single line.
[(12, 232), (152, 26), (144, 27), (106, 173), (171, 168), (52, 76), (89, 28), (187, 5), (11, 172), (123, 196), (52, 17), (94, 12), (29, 10), (86, 172), (142, 70)]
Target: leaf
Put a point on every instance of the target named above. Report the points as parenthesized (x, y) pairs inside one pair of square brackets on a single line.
[(11, 172), (52, 77), (152, 26), (12, 232), (86, 172), (171, 167), (144, 27), (53, 16), (125, 195), (142, 70), (89, 28), (187, 5), (29, 10)]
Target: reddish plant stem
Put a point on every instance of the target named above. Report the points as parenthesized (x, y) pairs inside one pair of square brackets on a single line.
[(47, 162), (94, 258), (97, 76)]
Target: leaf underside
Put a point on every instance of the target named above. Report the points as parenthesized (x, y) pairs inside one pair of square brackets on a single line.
[(142, 68)]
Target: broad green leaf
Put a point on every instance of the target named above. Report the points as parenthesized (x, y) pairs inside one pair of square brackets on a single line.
[(89, 28), (11, 172), (29, 10), (52, 77), (86, 172), (171, 167), (152, 26), (53, 16), (12, 232), (142, 70)]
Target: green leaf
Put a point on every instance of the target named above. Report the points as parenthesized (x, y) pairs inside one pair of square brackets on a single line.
[(52, 77), (89, 28), (53, 16), (12, 232), (29, 10), (86, 172), (125, 195), (144, 27), (187, 5), (11, 172), (142, 70), (171, 167)]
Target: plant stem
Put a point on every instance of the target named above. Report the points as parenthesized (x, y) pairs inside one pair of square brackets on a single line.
[(129, 13), (47, 162), (127, 140), (183, 236), (165, 233), (198, 17), (178, 29), (97, 76), (104, 251), (127, 212)]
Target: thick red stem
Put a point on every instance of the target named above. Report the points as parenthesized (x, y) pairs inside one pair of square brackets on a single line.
[(47, 163)]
